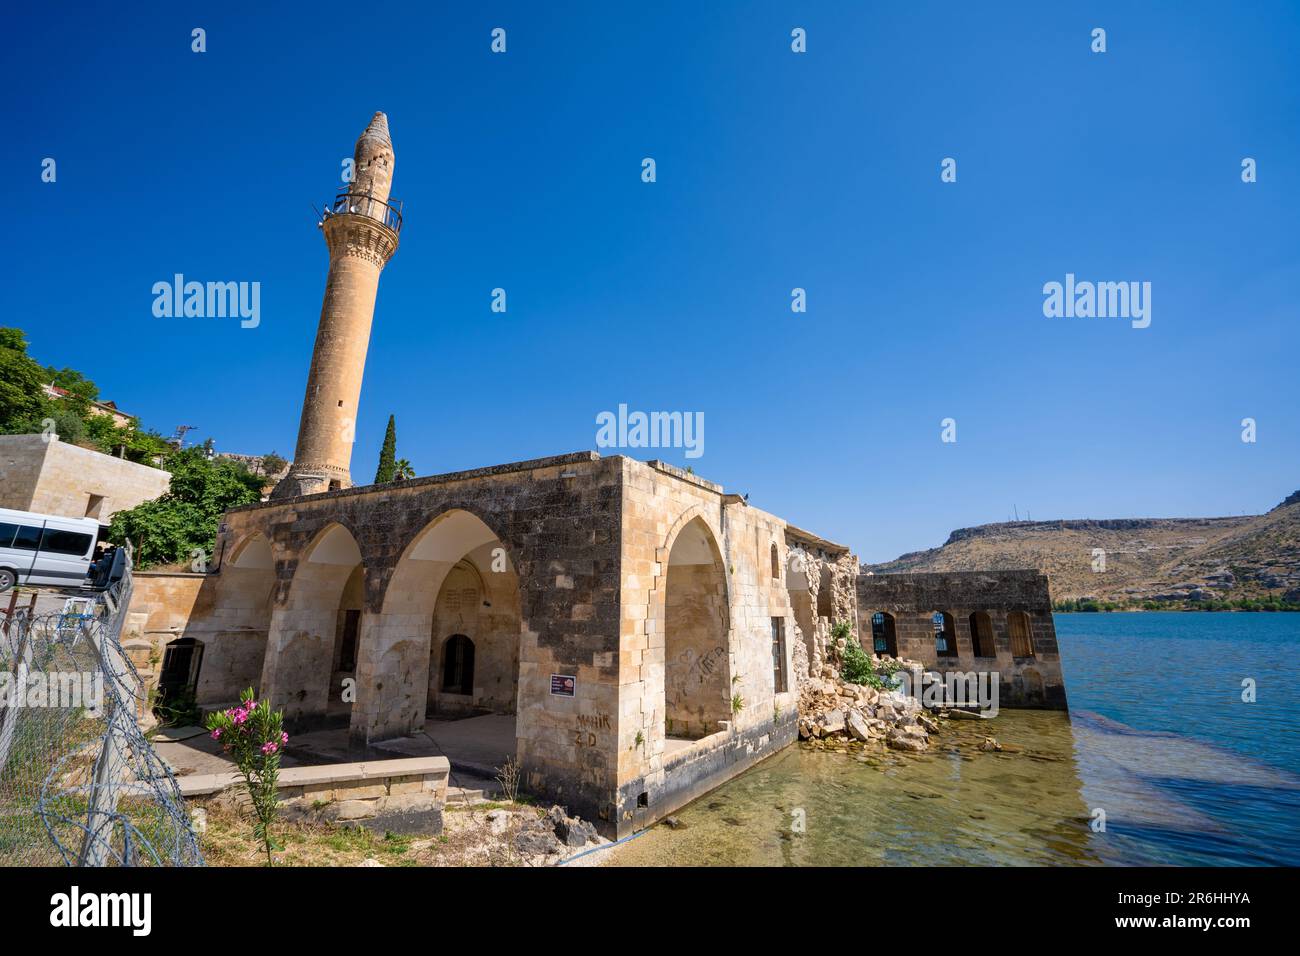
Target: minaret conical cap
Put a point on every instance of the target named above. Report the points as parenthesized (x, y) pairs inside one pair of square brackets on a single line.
[(378, 129)]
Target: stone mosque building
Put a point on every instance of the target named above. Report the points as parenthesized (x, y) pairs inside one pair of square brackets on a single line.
[(645, 628)]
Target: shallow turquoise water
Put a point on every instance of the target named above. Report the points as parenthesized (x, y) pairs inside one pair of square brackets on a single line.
[(1158, 740)]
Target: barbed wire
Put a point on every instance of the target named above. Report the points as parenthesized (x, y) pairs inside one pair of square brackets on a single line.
[(80, 784)]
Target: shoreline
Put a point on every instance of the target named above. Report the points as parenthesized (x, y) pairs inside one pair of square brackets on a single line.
[(1186, 610)]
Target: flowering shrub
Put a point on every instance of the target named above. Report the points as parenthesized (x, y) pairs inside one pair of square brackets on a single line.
[(252, 733)]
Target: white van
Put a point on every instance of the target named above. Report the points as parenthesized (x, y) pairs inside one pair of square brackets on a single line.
[(45, 549)]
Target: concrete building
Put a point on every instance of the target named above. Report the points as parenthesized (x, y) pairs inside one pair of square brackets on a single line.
[(968, 621), (54, 477)]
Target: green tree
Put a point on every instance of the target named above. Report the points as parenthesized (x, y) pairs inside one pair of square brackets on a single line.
[(81, 390), (388, 454), (273, 464), (25, 409), (171, 529), (21, 402), (403, 470)]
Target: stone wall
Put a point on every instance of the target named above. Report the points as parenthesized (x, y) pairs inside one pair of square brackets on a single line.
[(822, 584), (696, 692), (405, 795), (166, 606), (1024, 680), (662, 507), (54, 477)]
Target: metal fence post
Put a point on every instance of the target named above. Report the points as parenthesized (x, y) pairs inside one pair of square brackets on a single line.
[(106, 783)]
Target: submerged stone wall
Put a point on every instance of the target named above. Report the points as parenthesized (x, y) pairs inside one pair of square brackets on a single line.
[(1025, 680)]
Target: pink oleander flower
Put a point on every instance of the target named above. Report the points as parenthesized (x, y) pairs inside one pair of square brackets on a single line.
[(284, 738), (216, 734), (270, 747)]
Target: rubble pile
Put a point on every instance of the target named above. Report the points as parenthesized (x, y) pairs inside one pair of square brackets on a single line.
[(832, 709), (554, 834)]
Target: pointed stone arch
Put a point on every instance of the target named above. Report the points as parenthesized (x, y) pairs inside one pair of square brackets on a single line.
[(242, 602), (324, 594), (424, 602), (690, 617)]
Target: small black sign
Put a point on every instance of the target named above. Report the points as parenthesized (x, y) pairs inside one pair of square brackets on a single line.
[(563, 685)]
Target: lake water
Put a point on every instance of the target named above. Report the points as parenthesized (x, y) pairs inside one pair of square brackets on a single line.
[(1158, 739)]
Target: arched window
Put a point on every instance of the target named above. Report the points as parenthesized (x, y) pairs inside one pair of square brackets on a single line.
[(825, 608), (458, 665), (981, 635), (1022, 634), (945, 634), (776, 565), (883, 636)]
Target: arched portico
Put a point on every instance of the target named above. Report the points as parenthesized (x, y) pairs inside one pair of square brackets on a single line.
[(455, 577), (696, 628), (302, 647), (241, 618)]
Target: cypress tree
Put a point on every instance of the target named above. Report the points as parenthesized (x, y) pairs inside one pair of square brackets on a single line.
[(388, 454)]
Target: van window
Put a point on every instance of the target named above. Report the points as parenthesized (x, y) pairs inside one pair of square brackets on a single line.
[(27, 538), (57, 541), (7, 534)]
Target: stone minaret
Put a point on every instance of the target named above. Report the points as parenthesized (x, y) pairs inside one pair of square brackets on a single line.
[(361, 231)]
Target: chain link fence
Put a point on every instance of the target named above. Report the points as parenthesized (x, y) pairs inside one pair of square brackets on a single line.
[(80, 785)]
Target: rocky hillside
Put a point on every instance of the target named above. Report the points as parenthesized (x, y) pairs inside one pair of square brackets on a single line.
[(1146, 559)]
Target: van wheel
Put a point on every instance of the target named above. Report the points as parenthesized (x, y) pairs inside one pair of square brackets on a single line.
[(7, 579)]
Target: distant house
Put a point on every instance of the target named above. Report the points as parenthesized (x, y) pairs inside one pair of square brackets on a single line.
[(120, 419), (54, 477)]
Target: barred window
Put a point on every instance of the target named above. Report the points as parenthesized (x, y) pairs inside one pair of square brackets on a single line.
[(778, 655)]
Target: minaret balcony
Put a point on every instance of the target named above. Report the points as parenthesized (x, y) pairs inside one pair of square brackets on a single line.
[(360, 204)]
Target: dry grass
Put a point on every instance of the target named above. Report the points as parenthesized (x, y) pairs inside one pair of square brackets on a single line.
[(465, 841)]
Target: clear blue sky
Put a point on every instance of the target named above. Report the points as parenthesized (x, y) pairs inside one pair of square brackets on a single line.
[(775, 170)]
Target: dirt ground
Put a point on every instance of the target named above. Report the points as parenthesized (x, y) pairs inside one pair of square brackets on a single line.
[(467, 840)]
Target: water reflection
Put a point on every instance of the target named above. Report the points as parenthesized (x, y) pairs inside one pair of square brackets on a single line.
[(1166, 799)]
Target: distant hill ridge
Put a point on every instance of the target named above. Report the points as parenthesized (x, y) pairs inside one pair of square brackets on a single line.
[(1144, 559), (1094, 524)]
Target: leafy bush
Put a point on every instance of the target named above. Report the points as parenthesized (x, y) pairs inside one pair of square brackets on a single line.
[(856, 666), (178, 710), (170, 529)]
